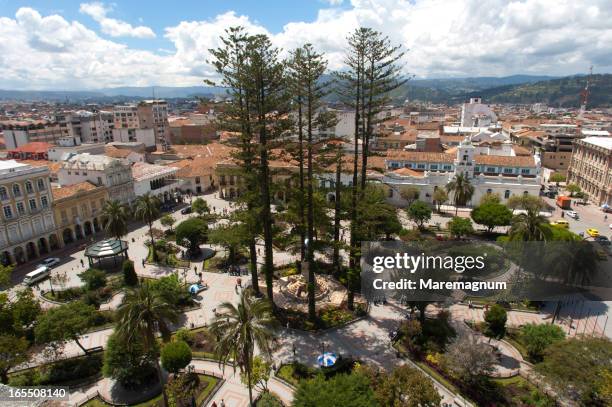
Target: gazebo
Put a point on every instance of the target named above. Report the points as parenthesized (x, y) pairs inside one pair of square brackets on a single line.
[(105, 249)]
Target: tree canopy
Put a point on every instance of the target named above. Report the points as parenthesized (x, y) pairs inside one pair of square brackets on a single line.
[(495, 318), (459, 227), (491, 214), (538, 337), (419, 212), (64, 323), (192, 232), (341, 390), (175, 356)]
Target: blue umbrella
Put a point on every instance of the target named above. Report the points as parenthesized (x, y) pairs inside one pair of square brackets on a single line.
[(193, 288), (327, 359)]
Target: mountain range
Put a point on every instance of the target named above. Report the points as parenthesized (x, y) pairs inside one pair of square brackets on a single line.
[(553, 91)]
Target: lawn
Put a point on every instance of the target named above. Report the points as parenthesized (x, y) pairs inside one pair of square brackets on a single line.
[(201, 342), (206, 386)]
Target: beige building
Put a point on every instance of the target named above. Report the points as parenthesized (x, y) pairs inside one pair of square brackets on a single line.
[(77, 210), (591, 168), (27, 227)]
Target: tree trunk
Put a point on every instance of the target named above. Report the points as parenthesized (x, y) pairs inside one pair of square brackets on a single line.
[(152, 242), (76, 340), (336, 256), (353, 242), (160, 377), (301, 164), (266, 215), (253, 266), (4, 377), (310, 216)]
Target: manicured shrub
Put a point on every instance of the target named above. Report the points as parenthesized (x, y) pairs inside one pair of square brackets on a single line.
[(175, 356)]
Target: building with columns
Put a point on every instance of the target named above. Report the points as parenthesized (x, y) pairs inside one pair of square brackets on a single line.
[(158, 180), (77, 210), (27, 226), (591, 168)]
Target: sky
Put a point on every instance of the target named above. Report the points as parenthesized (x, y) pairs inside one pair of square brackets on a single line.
[(77, 45)]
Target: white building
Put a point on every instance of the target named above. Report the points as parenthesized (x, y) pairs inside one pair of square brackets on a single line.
[(477, 114), (504, 175), (87, 127), (26, 223), (62, 152), (144, 136), (100, 170), (158, 180)]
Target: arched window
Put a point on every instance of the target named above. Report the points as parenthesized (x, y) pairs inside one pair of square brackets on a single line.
[(16, 190), (3, 193), (489, 191), (507, 194), (41, 184), (525, 193), (29, 187)]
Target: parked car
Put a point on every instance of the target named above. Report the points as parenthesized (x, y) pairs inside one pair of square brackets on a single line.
[(603, 240), (572, 214), (186, 210), (50, 262), (592, 232)]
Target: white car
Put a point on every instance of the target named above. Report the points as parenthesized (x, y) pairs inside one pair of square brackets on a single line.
[(50, 262), (572, 214)]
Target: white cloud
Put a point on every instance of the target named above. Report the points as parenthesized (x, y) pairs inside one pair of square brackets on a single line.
[(443, 38), (111, 26)]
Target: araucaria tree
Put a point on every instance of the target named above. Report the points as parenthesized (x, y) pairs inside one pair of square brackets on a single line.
[(240, 328), (251, 68), (307, 69), (372, 73)]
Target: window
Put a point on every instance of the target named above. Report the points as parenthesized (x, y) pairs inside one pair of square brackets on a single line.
[(3, 193), (420, 166), (465, 157), (197, 180), (32, 204), (489, 191), (433, 167), (526, 170), (448, 167), (507, 170), (507, 194), (477, 169), (8, 212), (491, 169), (41, 184), (29, 187), (525, 193), (16, 190), (99, 181), (20, 208), (44, 202)]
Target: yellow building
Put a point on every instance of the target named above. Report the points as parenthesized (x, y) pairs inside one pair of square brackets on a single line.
[(77, 210)]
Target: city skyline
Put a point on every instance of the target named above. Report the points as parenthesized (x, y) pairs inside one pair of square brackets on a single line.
[(76, 45)]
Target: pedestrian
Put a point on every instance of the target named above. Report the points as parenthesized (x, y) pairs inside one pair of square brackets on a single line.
[(143, 266), (214, 404), (222, 403), (239, 282), (82, 264)]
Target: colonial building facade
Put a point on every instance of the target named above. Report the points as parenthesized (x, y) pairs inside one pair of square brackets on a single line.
[(27, 227), (591, 168), (77, 210)]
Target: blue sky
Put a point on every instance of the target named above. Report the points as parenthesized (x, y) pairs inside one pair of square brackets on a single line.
[(90, 44)]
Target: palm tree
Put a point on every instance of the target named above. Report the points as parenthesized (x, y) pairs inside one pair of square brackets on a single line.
[(147, 210), (240, 328), (115, 217), (530, 226), (141, 315), (461, 188)]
